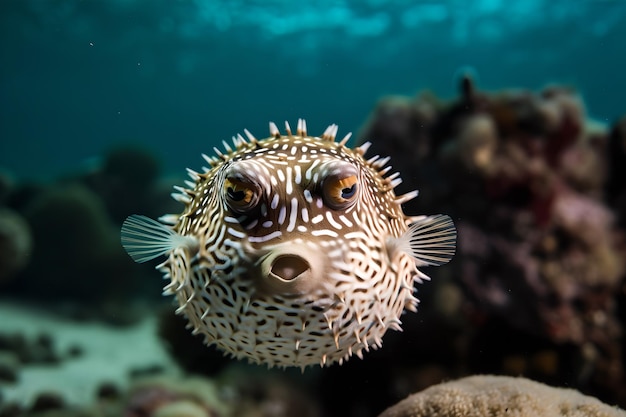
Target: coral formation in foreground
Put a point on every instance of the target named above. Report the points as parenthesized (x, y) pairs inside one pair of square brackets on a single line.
[(489, 395)]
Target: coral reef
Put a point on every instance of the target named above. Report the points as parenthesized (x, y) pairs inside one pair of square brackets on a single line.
[(537, 289), (615, 188), (124, 181), (15, 244), (536, 190), (60, 240), (76, 246), (236, 393), (255, 392), (167, 397), (488, 395)]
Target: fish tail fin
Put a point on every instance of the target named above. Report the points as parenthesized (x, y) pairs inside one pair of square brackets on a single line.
[(431, 240), (145, 239)]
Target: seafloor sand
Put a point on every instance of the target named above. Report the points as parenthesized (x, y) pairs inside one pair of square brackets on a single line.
[(109, 353)]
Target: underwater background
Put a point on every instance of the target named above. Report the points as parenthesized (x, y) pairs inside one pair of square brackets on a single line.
[(507, 115), (180, 76)]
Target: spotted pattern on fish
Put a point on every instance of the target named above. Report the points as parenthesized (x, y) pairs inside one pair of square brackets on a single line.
[(292, 250)]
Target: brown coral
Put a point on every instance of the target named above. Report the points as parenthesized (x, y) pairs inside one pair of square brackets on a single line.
[(487, 395), (539, 252)]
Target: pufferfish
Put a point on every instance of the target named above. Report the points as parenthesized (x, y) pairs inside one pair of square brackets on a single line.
[(292, 250)]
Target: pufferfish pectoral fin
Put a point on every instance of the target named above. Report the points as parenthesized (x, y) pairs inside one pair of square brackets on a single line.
[(431, 240), (145, 239)]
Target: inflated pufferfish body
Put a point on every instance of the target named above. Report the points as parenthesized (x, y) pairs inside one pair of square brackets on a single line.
[(292, 250)]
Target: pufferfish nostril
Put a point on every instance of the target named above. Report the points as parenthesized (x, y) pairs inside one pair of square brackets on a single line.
[(289, 267)]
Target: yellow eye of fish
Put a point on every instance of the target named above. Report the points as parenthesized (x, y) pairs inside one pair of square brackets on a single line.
[(340, 193), (240, 196)]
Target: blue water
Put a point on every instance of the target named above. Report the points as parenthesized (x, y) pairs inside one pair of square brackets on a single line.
[(77, 77)]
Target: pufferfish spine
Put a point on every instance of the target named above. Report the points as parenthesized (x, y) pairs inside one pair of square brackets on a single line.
[(292, 250)]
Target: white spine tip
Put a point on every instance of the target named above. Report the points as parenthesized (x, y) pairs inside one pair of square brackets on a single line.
[(249, 135), (274, 130), (288, 128), (345, 139), (363, 148), (301, 130)]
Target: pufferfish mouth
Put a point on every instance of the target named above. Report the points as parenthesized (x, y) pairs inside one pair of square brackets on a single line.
[(289, 267)]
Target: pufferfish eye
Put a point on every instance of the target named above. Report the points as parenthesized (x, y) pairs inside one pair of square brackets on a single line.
[(240, 195), (340, 191)]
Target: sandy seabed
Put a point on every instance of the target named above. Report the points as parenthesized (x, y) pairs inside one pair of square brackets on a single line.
[(109, 353)]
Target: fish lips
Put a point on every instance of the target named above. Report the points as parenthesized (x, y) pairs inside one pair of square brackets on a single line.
[(291, 269)]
